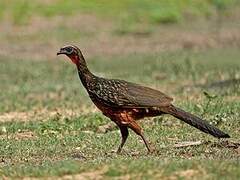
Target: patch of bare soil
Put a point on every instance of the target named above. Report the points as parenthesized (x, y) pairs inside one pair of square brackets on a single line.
[(99, 37), (44, 114), (187, 174), (86, 175), (19, 135), (96, 175)]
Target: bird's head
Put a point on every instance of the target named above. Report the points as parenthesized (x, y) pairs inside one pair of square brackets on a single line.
[(73, 52)]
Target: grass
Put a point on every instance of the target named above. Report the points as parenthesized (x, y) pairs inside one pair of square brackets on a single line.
[(157, 11), (33, 87), (62, 145), (50, 128)]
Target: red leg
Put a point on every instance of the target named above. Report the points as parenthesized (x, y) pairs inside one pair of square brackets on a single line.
[(138, 130)]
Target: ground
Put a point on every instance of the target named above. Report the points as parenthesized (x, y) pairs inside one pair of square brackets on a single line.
[(50, 129)]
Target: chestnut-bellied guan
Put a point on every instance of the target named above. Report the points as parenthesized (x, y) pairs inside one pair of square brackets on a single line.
[(125, 102)]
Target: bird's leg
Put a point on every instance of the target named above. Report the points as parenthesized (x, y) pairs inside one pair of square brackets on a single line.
[(138, 130), (124, 133)]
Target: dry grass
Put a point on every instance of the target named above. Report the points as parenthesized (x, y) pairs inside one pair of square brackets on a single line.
[(27, 41)]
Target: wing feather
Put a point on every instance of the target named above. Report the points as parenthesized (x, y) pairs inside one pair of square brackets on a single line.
[(142, 96), (119, 93)]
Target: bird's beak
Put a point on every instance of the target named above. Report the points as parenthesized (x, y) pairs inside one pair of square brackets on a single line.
[(61, 51)]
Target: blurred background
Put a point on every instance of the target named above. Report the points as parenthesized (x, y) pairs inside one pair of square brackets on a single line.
[(112, 28), (189, 49), (175, 46), (172, 44)]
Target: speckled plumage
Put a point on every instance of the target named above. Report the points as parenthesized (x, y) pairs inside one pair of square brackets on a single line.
[(119, 93), (125, 102)]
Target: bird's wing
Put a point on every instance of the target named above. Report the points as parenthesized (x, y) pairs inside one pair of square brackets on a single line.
[(140, 96), (118, 93)]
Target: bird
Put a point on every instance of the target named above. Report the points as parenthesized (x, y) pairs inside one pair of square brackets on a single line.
[(125, 102)]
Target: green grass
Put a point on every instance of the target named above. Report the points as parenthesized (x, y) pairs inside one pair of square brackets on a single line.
[(155, 11), (38, 138), (24, 88), (62, 145)]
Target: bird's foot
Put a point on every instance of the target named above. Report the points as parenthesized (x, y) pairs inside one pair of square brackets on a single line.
[(119, 151), (151, 151)]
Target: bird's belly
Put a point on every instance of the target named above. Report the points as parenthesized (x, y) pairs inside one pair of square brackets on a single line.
[(125, 115)]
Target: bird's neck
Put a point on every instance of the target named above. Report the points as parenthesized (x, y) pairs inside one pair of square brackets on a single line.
[(84, 74)]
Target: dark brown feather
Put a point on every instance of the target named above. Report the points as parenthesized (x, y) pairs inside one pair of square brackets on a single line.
[(146, 97), (119, 93)]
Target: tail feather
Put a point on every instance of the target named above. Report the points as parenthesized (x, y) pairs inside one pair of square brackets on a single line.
[(195, 122)]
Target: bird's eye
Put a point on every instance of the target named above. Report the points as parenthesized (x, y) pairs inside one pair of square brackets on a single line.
[(69, 49)]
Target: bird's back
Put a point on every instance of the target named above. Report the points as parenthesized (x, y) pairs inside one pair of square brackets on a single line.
[(119, 93)]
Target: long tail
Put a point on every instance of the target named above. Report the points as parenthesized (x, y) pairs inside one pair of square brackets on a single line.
[(195, 121)]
